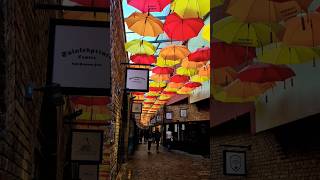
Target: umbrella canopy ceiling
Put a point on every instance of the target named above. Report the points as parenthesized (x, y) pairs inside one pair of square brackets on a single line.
[(149, 5)]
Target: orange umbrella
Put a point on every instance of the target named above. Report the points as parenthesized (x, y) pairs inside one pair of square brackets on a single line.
[(174, 52), (144, 24), (204, 71), (191, 64), (247, 89), (223, 76), (303, 31), (160, 77), (175, 85)]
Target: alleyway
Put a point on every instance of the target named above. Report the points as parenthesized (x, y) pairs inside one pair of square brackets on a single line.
[(173, 165)]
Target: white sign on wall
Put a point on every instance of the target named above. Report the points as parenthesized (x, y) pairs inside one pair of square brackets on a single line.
[(79, 58), (137, 80)]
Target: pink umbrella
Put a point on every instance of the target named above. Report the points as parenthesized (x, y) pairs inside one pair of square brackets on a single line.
[(149, 5)]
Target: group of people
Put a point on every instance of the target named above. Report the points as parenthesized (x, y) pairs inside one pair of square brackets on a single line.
[(155, 136)]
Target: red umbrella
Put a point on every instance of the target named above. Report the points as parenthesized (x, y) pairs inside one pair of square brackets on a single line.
[(192, 84), (200, 55), (93, 3), (90, 101), (149, 5), (224, 55), (179, 78), (151, 97), (162, 70), (148, 103), (155, 88), (168, 93), (182, 29), (262, 73), (143, 59)]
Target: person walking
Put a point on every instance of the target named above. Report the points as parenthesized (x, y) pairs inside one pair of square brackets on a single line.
[(157, 137), (150, 140), (169, 139)]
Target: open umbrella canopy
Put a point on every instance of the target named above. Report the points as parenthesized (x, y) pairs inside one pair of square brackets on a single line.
[(182, 29), (186, 72), (224, 55), (192, 85), (157, 84), (200, 55), (191, 8), (149, 5), (175, 85), (192, 64), (281, 54), (169, 89), (261, 73), (156, 89), (220, 95), (144, 24), (199, 79), (204, 71), (142, 59), (179, 78), (160, 77), (174, 52), (223, 76), (166, 62), (231, 30), (262, 10), (162, 70), (303, 31), (206, 32), (140, 47)]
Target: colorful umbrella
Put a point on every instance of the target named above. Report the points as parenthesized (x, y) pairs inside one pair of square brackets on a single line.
[(162, 70), (192, 64), (174, 52), (200, 55), (93, 3), (185, 90), (282, 54), (149, 5), (169, 93), (152, 93), (204, 71), (140, 47), (186, 72), (262, 10), (160, 77), (164, 97), (157, 84), (223, 76), (182, 29), (144, 24), (175, 85), (155, 89), (192, 85), (199, 79), (231, 30), (305, 33), (179, 79), (219, 95), (191, 8), (224, 55), (142, 59), (261, 73), (169, 89), (166, 62), (206, 32)]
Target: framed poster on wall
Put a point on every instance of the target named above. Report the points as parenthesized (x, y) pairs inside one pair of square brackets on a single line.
[(86, 146), (137, 79), (88, 171), (79, 57), (136, 108)]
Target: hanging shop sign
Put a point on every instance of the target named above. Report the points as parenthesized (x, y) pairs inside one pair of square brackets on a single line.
[(234, 163), (79, 56), (88, 171), (137, 79), (136, 108), (86, 146)]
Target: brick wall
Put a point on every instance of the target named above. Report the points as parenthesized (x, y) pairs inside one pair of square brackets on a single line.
[(193, 112), (24, 39), (291, 151), (118, 78)]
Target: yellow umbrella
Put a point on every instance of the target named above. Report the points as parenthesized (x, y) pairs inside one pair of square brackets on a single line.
[(175, 85), (199, 79), (174, 52), (191, 8), (169, 89), (247, 89), (140, 47), (160, 77), (144, 24), (157, 84), (231, 30), (164, 97), (192, 64), (220, 95), (206, 32), (166, 62), (152, 93), (186, 72), (281, 54)]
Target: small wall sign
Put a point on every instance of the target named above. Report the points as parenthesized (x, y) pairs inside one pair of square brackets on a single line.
[(136, 108), (168, 115), (137, 79), (183, 113), (234, 163)]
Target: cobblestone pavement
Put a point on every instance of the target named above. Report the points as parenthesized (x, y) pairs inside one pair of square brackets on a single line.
[(173, 165)]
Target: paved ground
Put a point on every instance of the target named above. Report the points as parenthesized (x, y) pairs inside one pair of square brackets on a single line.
[(173, 165)]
